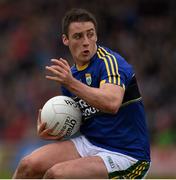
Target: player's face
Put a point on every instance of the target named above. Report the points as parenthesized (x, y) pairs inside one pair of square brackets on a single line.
[(81, 41)]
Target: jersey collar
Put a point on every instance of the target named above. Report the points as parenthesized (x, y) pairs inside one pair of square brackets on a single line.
[(81, 68)]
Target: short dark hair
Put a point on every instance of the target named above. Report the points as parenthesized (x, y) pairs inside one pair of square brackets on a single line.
[(77, 15)]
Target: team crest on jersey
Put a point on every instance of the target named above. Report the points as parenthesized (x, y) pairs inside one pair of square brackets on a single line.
[(88, 78)]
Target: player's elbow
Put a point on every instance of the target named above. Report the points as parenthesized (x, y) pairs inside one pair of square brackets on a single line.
[(112, 108)]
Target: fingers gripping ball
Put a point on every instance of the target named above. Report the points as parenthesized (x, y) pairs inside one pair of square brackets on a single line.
[(62, 114)]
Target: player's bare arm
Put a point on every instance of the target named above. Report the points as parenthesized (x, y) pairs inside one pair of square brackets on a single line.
[(107, 98)]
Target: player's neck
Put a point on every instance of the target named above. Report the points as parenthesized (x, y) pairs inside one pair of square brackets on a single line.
[(82, 66)]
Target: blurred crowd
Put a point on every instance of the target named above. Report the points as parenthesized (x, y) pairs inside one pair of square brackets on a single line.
[(142, 31)]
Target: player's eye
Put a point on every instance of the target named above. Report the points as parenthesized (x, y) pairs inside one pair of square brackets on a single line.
[(90, 34), (77, 36)]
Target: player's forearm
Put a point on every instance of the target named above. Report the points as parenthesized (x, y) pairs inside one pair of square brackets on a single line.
[(96, 97)]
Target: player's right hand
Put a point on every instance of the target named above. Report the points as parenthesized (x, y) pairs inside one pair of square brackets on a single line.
[(44, 132)]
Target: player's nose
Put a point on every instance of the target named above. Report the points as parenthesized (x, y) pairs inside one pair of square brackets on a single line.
[(85, 40)]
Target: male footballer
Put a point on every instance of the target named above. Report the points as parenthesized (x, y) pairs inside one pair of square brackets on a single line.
[(113, 140)]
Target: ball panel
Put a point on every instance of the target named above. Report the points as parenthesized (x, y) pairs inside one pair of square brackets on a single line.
[(65, 109)]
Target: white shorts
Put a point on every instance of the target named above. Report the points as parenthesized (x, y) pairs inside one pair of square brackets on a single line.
[(116, 163)]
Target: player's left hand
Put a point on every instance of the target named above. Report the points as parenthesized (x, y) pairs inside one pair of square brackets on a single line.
[(60, 71)]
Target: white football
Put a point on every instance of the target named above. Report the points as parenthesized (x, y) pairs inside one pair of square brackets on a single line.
[(63, 114)]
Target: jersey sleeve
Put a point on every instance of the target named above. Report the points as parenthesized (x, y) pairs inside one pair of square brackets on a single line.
[(65, 92), (110, 70)]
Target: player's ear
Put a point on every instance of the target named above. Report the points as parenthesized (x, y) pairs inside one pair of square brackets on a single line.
[(65, 39)]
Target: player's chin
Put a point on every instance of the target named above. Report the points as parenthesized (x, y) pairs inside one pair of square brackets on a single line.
[(85, 58)]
